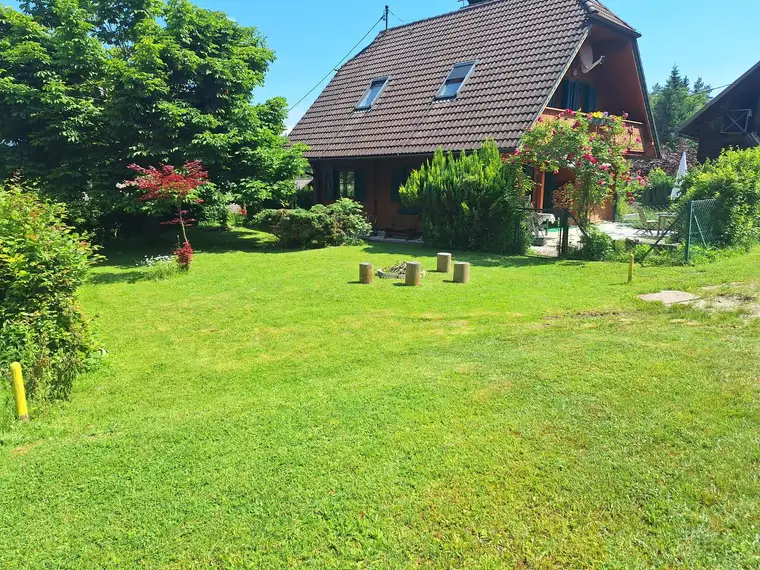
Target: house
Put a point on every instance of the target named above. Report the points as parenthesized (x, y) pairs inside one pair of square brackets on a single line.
[(732, 119), (488, 70)]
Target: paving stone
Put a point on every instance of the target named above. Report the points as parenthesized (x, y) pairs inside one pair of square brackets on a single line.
[(669, 298)]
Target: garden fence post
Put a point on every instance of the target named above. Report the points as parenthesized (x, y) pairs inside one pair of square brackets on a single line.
[(565, 246), (19, 393), (689, 230)]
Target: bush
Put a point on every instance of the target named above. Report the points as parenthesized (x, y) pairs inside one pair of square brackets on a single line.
[(595, 246), (469, 202), (341, 223), (734, 180), (658, 190), (42, 263)]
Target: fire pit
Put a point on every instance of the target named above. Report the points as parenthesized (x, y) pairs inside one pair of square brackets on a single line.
[(397, 271)]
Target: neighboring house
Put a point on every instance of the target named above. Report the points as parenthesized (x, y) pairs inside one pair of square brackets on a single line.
[(732, 119), (488, 70)]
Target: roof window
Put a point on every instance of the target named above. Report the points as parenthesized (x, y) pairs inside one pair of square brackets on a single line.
[(371, 94), (456, 79)]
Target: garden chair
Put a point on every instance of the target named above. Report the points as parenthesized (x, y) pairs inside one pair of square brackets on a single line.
[(649, 226)]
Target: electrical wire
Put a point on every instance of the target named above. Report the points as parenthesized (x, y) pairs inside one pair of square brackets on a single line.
[(335, 67), (394, 15)]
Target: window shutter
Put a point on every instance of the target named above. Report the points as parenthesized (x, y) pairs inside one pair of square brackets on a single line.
[(360, 186), (572, 95), (549, 187), (565, 92), (589, 98), (335, 186), (396, 182)]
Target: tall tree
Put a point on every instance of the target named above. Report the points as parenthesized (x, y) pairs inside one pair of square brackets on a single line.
[(675, 102), (88, 87)]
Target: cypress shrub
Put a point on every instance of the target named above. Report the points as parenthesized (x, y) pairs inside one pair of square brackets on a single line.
[(472, 201)]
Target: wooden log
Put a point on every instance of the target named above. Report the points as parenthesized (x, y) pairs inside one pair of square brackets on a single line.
[(366, 273), (444, 262), (413, 273), (461, 272)]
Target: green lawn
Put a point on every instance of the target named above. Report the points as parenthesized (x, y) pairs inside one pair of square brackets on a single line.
[(264, 411)]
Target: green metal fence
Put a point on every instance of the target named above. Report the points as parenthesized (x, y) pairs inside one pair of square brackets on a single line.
[(691, 224)]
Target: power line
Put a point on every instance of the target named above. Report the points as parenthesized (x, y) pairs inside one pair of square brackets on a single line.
[(711, 89), (394, 15), (335, 67)]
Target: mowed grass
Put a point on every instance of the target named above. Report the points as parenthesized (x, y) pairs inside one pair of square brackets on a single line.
[(264, 411)]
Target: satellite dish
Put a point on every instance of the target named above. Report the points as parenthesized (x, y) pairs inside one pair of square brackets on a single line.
[(587, 59)]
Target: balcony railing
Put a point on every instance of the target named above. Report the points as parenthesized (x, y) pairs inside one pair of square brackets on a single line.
[(638, 140)]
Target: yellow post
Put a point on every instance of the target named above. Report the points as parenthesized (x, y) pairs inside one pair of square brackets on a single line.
[(631, 261), (17, 379)]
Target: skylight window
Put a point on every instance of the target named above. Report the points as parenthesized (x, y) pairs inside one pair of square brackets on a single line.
[(371, 95), (456, 80)]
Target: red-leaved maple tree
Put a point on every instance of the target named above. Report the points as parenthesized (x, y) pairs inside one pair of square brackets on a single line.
[(175, 188)]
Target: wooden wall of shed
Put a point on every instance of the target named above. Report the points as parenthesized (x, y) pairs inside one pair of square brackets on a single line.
[(379, 176)]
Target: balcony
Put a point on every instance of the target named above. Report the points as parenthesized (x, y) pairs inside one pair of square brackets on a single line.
[(640, 143)]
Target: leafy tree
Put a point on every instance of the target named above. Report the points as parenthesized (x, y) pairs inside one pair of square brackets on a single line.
[(88, 87), (675, 102)]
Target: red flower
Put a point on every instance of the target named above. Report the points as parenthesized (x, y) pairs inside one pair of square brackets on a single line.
[(243, 212)]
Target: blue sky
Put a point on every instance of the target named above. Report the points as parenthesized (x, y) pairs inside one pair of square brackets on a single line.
[(715, 40)]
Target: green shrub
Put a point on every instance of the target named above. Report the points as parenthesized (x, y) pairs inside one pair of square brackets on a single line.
[(469, 202), (658, 189), (595, 246), (734, 180), (340, 223), (42, 263)]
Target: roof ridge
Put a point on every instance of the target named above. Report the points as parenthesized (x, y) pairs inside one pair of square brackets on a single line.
[(444, 15), (592, 7)]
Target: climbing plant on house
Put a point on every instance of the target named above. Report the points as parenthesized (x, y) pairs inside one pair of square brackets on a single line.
[(593, 147)]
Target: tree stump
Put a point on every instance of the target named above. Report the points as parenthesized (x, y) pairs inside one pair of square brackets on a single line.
[(461, 272), (413, 273), (444, 262), (366, 273)]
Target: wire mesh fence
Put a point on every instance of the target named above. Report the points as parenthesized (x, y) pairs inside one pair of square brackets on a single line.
[(686, 224), (550, 233), (676, 229)]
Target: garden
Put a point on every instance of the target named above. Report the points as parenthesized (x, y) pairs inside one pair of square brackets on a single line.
[(262, 410), (203, 377)]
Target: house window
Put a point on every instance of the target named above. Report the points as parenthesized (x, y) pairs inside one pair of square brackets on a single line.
[(456, 79), (371, 94), (347, 184), (575, 95)]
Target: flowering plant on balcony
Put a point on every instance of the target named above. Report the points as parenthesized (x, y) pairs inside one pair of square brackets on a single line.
[(593, 147)]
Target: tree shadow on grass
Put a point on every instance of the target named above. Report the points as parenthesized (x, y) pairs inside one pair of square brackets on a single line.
[(129, 253), (130, 277), (410, 251)]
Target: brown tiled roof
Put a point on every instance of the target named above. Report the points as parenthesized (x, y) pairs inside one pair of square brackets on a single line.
[(599, 10), (522, 48)]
